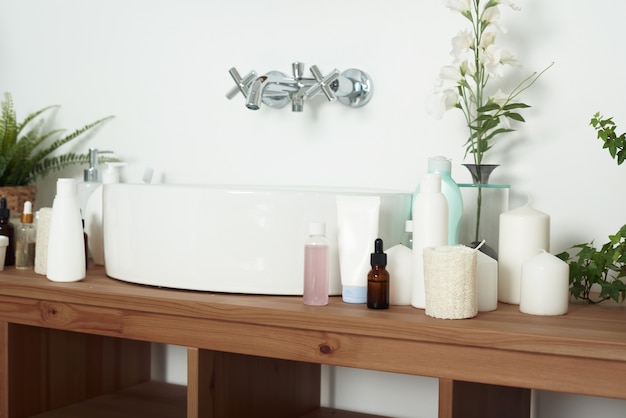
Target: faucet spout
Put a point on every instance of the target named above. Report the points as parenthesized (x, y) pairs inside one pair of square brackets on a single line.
[(272, 87)]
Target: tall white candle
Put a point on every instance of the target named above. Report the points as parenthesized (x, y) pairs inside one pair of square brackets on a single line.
[(523, 231), (544, 288), (487, 282)]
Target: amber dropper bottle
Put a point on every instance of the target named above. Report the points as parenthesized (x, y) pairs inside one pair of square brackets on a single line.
[(378, 279)]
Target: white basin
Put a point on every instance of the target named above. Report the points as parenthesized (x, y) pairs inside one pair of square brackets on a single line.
[(227, 238)]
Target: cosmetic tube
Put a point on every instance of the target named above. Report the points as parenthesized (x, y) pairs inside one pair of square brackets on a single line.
[(357, 225)]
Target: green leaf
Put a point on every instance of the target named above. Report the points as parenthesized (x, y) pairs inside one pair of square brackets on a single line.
[(514, 116), (512, 106), (25, 146)]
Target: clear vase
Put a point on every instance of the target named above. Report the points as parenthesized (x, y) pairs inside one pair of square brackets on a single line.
[(482, 205)]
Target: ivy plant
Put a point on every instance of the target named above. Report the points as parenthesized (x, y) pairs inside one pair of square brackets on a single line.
[(606, 132), (604, 267)]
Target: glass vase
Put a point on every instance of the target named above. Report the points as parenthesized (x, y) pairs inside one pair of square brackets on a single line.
[(482, 205)]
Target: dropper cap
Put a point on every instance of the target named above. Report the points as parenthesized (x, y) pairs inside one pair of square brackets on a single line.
[(5, 213), (27, 214), (378, 257)]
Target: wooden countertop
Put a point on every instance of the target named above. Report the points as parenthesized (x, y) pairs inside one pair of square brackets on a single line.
[(581, 352)]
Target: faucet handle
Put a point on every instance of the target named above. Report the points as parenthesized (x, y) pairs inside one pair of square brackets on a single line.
[(241, 83), (323, 83)]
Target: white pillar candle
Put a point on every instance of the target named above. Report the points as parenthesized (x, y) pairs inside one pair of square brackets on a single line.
[(400, 268), (487, 282), (544, 286), (523, 231)]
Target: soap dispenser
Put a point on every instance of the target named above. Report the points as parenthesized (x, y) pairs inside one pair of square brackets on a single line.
[(91, 179), (93, 212)]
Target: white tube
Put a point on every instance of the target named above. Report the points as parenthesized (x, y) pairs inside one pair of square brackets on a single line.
[(357, 227)]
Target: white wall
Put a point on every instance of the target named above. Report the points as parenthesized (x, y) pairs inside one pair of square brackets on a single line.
[(162, 68)]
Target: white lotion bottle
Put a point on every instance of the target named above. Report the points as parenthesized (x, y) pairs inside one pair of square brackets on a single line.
[(430, 228), (66, 243)]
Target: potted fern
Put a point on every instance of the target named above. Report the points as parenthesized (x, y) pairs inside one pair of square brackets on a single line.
[(26, 150)]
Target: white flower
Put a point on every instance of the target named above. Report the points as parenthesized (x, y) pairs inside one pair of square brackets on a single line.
[(468, 65), (488, 38), (462, 43), (438, 104), (461, 6), (508, 3), (491, 15), (507, 58), (449, 76), (501, 99), (494, 59)]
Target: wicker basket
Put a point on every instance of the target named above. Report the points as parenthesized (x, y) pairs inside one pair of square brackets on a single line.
[(16, 196)]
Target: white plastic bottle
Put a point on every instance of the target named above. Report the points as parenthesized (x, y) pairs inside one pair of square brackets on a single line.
[(449, 188), (316, 267), (430, 228), (66, 244)]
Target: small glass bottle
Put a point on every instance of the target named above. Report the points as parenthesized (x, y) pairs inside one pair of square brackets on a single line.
[(378, 279), (8, 230), (316, 267), (25, 238)]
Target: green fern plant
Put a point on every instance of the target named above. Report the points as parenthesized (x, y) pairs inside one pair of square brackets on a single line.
[(26, 147)]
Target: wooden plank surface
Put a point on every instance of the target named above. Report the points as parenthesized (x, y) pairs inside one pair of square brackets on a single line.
[(566, 353)]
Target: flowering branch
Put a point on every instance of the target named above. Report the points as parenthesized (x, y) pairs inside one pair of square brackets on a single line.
[(464, 83)]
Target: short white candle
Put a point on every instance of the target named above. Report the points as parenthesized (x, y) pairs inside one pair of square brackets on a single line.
[(522, 232), (544, 286), (400, 268), (487, 282)]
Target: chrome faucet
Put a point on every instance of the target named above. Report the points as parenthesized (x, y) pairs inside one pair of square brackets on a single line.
[(275, 89)]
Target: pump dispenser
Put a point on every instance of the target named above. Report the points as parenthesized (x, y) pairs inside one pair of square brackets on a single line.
[(378, 278), (91, 179)]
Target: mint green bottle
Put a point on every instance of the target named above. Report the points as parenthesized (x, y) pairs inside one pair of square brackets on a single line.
[(449, 188)]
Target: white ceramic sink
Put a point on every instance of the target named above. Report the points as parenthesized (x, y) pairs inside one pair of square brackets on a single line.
[(226, 238)]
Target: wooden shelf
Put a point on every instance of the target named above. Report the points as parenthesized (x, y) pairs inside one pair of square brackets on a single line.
[(150, 400), (245, 350)]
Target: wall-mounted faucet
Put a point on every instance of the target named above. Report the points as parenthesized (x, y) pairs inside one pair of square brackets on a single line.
[(352, 87)]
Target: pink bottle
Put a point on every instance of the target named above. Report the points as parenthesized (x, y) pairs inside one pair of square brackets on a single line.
[(316, 266)]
